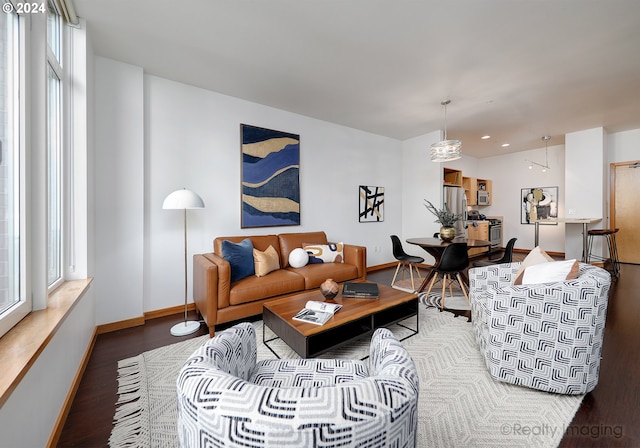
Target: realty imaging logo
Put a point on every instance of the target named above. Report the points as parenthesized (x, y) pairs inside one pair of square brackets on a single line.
[(592, 431)]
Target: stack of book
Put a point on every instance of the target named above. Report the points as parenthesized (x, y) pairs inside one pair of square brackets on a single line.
[(360, 290)]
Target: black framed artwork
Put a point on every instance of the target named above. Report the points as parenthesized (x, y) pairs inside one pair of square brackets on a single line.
[(538, 203), (371, 204)]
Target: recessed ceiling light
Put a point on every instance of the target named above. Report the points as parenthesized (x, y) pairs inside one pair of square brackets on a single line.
[(504, 145), (485, 137)]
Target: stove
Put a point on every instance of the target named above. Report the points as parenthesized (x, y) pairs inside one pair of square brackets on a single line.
[(495, 234)]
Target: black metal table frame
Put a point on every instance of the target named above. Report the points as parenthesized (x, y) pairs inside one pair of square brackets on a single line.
[(360, 335)]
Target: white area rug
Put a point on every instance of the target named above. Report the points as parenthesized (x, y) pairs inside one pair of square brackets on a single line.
[(460, 405), (457, 302)]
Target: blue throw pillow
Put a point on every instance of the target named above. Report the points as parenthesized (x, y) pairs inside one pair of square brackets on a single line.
[(240, 257)]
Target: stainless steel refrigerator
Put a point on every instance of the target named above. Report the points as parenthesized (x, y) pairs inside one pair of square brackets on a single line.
[(456, 201)]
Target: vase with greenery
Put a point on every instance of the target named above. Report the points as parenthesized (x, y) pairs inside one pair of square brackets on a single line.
[(446, 218)]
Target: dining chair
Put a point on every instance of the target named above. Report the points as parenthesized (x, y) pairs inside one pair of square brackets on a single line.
[(405, 260), (454, 260), (507, 257)]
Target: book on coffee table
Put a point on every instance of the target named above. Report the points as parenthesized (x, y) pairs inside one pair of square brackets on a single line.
[(360, 290), (318, 313)]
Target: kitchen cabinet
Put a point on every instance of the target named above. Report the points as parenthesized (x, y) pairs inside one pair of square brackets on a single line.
[(470, 190), (478, 230), (471, 187), (452, 177)]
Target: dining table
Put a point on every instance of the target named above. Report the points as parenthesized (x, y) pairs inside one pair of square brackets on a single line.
[(435, 247)]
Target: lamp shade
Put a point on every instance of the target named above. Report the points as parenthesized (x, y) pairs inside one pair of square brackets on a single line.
[(446, 151), (182, 199)]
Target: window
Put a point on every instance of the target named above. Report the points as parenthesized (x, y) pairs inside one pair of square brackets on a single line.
[(54, 148), (13, 304)]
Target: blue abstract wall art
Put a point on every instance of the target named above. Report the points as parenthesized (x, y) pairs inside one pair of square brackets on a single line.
[(270, 177)]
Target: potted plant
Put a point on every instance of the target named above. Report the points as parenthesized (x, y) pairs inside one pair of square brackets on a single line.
[(446, 218)]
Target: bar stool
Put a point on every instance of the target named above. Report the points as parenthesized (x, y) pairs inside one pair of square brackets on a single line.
[(610, 236)]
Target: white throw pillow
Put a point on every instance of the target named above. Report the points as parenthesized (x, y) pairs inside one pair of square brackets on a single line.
[(325, 253), (557, 271), (536, 256), (298, 258)]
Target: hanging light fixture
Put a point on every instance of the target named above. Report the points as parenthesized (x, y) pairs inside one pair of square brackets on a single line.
[(446, 150), (544, 167)]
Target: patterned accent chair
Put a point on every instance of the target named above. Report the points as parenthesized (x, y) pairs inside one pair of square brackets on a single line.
[(227, 399), (545, 336)]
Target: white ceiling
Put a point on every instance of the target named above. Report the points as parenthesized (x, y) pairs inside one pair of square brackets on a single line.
[(513, 69)]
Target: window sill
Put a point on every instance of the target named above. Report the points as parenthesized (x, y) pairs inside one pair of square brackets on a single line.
[(21, 346)]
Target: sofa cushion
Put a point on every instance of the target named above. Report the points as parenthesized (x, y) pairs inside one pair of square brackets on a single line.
[(556, 271), (254, 288), (240, 257), (324, 253), (265, 262), (260, 242), (315, 274)]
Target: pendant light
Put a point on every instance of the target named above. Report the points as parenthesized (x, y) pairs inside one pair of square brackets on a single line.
[(446, 150), (544, 167)]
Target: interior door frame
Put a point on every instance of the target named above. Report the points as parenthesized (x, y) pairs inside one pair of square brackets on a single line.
[(612, 188)]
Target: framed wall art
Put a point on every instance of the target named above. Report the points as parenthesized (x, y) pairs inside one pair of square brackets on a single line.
[(371, 204), (270, 177), (538, 203)]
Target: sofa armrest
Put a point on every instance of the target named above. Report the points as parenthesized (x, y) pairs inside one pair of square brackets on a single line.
[(357, 256), (211, 286)]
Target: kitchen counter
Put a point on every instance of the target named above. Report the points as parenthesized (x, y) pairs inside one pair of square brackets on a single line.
[(584, 221)]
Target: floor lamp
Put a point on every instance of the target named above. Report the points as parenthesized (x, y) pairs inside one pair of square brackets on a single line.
[(183, 200)]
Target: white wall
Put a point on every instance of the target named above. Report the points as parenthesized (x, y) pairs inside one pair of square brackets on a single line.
[(623, 146), (119, 190), (421, 179), (509, 174), (585, 182)]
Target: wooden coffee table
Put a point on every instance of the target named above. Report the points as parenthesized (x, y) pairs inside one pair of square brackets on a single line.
[(356, 319)]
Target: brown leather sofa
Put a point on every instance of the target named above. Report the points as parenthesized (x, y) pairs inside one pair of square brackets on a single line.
[(219, 301)]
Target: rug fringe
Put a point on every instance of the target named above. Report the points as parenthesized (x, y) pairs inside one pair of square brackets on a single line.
[(129, 428)]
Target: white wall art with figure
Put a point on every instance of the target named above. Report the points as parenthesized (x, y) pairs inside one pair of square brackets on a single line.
[(538, 203)]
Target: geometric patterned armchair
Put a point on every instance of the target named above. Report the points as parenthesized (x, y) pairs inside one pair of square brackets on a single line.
[(226, 399), (544, 336)]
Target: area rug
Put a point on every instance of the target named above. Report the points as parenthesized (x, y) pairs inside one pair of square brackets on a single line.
[(460, 405), (457, 302)]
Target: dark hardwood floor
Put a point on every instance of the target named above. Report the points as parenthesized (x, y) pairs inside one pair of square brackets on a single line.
[(609, 416)]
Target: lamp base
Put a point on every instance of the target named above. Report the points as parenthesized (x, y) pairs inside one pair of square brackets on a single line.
[(185, 328)]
